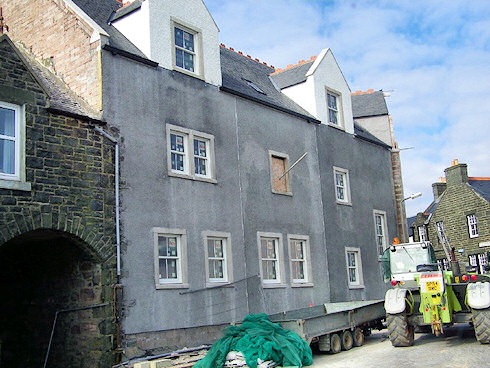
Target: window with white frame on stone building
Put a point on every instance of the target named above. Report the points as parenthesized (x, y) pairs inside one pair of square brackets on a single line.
[(271, 259), (380, 231), (354, 268), (422, 233), (186, 49), (12, 147), (218, 257), (299, 257), (472, 226), (342, 185), (170, 257), (190, 154), (334, 108)]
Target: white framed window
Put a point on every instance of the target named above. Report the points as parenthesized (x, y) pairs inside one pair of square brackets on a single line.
[(271, 259), (342, 185), (354, 268), (472, 226), (422, 233), (280, 182), (380, 231), (217, 249), (186, 49), (190, 154), (334, 108), (170, 246), (299, 260), (12, 147)]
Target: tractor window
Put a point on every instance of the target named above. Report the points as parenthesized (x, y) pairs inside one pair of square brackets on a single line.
[(385, 263), (406, 258)]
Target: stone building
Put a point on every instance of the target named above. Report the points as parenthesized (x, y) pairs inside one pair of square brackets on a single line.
[(215, 222), (57, 222), (461, 208)]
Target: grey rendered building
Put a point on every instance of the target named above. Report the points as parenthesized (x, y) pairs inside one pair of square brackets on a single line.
[(213, 225)]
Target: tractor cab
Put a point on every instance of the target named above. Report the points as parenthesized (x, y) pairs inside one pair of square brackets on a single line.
[(402, 262)]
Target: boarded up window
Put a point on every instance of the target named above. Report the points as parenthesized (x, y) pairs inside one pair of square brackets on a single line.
[(278, 170)]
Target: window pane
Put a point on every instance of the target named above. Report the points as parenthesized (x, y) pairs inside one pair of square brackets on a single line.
[(339, 179), (332, 116), (7, 156), (7, 122), (199, 166), (188, 41), (332, 101), (179, 58), (352, 275), (271, 249), (179, 37), (200, 148), (351, 259), (177, 142), (340, 193), (162, 246), (269, 269), (177, 162), (298, 270), (188, 61)]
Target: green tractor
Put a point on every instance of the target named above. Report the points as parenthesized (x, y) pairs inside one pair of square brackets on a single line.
[(426, 298)]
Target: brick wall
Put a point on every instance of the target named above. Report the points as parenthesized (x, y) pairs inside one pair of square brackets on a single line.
[(60, 40), (57, 240)]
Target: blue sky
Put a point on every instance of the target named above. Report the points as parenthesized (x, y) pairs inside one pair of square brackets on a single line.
[(434, 57)]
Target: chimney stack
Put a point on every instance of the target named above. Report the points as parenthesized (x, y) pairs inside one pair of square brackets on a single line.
[(456, 174)]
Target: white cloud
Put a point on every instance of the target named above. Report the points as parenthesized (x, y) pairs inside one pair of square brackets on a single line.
[(433, 54)]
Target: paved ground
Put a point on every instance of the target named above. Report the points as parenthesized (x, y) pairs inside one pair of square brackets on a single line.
[(458, 348)]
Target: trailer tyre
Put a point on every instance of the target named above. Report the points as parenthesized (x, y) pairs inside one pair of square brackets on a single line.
[(335, 344), (401, 333), (347, 340), (358, 337), (481, 324)]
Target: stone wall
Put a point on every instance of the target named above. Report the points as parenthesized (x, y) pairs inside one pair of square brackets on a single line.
[(57, 240), (61, 40)]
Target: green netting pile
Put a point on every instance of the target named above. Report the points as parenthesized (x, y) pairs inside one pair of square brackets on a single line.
[(258, 337)]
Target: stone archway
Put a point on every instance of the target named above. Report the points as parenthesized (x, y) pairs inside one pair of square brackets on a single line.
[(48, 273)]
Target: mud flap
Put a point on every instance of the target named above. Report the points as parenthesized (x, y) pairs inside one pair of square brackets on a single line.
[(395, 301), (478, 295)]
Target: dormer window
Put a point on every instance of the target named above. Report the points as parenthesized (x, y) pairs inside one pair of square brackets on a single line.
[(186, 49), (334, 106)]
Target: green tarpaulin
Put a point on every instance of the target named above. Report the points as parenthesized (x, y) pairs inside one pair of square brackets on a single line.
[(257, 337)]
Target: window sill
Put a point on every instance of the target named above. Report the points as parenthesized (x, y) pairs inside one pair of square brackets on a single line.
[(356, 286), (15, 185), (171, 286), (193, 178), (289, 194), (273, 285), (339, 127), (301, 285), (344, 203), (187, 72), (212, 285)]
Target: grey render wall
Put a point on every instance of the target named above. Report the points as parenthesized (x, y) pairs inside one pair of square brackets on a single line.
[(261, 129), (139, 101), (353, 225)]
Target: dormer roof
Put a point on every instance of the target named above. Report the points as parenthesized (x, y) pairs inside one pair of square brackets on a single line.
[(368, 104), (293, 74)]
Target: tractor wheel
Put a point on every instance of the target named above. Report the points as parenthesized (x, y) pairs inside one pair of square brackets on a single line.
[(358, 337), (481, 323), (335, 343), (347, 340), (401, 333)]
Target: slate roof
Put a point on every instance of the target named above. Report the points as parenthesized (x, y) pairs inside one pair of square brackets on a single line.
[(100, 12), (481, 186), (60, 97), (365, 135), (292, 76), (240, 72), (369, 104)]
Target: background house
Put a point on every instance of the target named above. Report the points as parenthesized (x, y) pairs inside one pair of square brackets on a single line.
[(460, 207), (213, 224)]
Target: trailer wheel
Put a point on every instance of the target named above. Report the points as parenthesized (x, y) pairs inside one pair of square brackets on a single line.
[(335, 343), (358, 337), (347, 340), (481, 324), (401, 333)]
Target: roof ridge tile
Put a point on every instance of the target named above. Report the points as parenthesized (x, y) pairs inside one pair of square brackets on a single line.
[(247, 56), (291, 66)]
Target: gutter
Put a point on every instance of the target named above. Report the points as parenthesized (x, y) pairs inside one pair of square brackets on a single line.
[(268, 104), (129, 55)]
